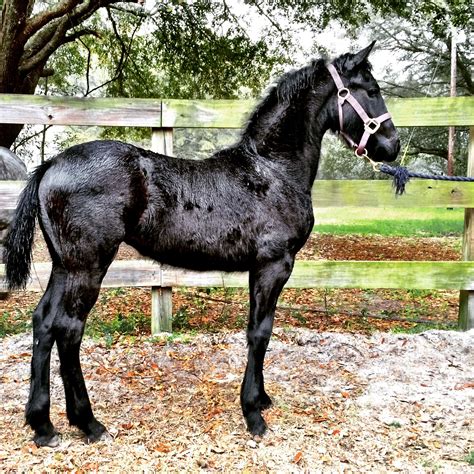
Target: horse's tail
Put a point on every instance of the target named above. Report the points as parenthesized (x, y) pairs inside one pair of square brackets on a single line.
[(19, 240)]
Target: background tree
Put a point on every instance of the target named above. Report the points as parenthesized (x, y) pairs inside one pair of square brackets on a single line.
[(32, 31), (180, 49), (426, 55), (29, 37)]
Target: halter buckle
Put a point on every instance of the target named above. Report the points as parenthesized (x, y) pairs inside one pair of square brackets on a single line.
[(371, 126)]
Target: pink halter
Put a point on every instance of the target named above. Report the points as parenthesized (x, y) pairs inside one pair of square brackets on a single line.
[(371, 125)]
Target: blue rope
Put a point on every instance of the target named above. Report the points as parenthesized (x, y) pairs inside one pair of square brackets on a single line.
[(401, 176)]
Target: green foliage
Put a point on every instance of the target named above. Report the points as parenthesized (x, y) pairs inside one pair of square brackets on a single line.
[(213, 49), (15, 322), (129, 324), (470, 458), (181, 319), (395, 424), (422, 50), (422, 327)]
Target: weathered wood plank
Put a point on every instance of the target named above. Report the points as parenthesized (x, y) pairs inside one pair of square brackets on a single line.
[(16, 108), (306, 274), (466, 298), (346, 274), (121, 273), (161, 310), (432, 111), (162, 141), (47, 110), (342, 193), (380, 193), (206, 113), (161, 297)]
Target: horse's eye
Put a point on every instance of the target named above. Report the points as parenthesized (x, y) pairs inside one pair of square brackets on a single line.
[(373, 92)]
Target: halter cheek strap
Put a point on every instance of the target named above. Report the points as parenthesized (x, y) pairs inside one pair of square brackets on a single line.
[(371, 125)]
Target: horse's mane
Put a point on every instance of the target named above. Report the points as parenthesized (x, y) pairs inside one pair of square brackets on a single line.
[(292, 83), (296, 80)]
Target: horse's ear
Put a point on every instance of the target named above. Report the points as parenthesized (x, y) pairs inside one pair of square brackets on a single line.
[(362, 55)]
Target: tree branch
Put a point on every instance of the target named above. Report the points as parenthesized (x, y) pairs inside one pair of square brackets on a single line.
[(45, 52), (124, 54), (56, 28), (462, 63), (78, 34), (34, 24), (417, 149)]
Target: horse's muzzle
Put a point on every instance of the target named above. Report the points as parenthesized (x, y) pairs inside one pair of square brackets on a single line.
[(386, 149)]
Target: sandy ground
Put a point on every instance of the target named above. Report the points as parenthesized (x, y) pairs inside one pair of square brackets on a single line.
[(342, 403)]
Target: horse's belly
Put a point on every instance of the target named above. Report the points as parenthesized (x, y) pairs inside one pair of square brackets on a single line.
[(202, 251)]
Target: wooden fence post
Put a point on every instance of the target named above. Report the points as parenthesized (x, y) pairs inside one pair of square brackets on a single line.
[(466, 297), (161, 302)]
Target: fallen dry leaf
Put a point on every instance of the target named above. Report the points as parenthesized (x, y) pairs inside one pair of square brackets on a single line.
[(298, 457)]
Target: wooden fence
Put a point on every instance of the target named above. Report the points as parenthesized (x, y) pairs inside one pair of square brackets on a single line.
[(164, 115)]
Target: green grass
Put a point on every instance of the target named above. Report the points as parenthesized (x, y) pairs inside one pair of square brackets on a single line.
[(410, 222), (422, 327), (470, 458)]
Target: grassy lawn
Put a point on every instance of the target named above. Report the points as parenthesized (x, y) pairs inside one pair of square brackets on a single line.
[(410, 222)]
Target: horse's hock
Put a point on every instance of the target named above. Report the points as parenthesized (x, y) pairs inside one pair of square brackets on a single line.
[(11, 169)]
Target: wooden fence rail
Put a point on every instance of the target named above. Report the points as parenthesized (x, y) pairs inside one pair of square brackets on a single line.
[(164, 115)]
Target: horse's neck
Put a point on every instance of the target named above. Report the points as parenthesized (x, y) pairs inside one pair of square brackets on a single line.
[(291, 137)]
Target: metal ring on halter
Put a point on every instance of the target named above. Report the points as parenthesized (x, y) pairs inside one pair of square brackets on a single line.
[(343, 93), (371, 126), (364, 154)]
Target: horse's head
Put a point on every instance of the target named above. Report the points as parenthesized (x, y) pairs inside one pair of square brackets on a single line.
[(358, 110)]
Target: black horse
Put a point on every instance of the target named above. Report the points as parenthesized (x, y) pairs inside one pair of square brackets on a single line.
[(247, 208)]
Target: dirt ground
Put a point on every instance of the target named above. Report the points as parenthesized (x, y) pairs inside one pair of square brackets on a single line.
[(342, 403)]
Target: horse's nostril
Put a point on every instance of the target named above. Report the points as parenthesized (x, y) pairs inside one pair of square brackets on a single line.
[(397, 146)]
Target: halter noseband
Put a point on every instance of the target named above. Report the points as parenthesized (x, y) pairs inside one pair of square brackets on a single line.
[(371, 125)]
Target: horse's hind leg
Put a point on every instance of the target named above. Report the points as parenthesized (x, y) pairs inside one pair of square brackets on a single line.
[(37, 408), (60, 317), (266, 283), (81, 292)]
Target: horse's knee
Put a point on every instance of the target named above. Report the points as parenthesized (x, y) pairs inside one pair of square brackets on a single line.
[(259, 336)]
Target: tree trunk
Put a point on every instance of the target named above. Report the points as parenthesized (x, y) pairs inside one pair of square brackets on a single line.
[(28, 40)]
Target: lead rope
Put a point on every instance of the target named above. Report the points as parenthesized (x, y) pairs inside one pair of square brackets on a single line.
[(401, 176)]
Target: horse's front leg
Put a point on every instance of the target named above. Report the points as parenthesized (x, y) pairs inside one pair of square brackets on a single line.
[(266, 283)]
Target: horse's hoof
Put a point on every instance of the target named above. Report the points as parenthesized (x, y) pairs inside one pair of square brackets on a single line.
[(256, 424), (47, 441), (105, 436)]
